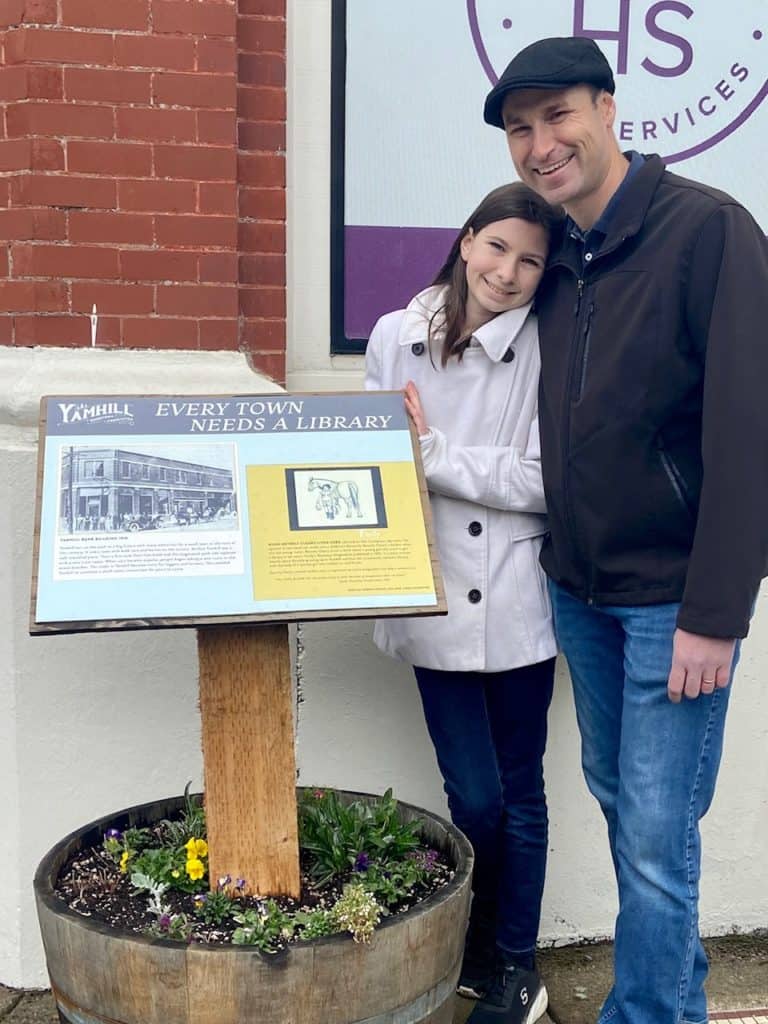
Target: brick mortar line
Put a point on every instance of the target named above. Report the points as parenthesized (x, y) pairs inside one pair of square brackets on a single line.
[(139, 32)]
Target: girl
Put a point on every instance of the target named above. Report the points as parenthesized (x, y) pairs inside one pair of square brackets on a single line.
[(466, 353)]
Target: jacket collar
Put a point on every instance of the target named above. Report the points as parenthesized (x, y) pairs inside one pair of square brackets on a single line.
[(495, 337), (628, 217)]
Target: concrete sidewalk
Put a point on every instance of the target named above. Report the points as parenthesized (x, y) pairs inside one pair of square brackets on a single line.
[(577, 978)]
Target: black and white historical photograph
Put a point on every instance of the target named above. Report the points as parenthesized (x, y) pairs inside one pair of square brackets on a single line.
[(338, 497), (178, 487)]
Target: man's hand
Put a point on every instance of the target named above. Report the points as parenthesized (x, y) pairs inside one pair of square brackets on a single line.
[(699, 664), (415, 409)]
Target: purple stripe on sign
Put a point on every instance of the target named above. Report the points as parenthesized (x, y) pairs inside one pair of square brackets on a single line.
[(385, 267)]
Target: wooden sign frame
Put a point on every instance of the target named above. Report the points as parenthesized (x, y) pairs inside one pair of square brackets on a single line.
[(95, 488)]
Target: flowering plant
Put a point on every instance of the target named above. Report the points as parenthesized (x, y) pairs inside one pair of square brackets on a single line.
[(360, 862), (341, 836)]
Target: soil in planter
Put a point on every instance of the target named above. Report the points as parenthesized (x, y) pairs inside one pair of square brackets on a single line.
[(92, 885)]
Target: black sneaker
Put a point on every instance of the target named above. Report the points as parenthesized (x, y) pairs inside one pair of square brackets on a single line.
[(478, 968), (515, 997), (475, 980)]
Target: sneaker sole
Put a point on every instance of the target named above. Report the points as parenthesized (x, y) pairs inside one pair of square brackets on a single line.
[(539, 1007), (468, 992)]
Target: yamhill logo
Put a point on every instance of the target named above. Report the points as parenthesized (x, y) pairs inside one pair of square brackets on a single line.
[(95, 412), (687, 74)]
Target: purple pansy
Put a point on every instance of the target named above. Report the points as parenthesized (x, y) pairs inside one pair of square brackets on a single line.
[(362, 862)]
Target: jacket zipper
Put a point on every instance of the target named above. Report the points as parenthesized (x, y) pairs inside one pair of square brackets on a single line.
[(566, 424), (675, 477), (580, 283), (584, 352), (579, 293)]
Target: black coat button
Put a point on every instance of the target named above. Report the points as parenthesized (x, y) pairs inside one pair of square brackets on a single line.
[(418, 348), (474, 596), (475, 528), (508, 356)]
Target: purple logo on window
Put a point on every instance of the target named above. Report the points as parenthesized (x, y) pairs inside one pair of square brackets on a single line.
[(687, 74)]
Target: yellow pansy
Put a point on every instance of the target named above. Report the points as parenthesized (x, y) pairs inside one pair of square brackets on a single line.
[(195, 868), (196, 848), (126, 856)]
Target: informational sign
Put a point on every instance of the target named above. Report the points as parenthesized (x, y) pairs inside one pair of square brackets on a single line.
[(413, 157), (178, 510)]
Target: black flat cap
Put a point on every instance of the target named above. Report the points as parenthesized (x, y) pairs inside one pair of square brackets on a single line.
[(555, 63)]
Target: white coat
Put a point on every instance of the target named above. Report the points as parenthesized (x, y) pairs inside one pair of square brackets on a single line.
[(482, 466)]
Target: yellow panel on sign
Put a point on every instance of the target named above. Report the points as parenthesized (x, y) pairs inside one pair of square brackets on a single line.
[(338, 531)]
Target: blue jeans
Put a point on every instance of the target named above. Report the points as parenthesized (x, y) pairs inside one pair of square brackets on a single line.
[(652, 765), (489, 730)]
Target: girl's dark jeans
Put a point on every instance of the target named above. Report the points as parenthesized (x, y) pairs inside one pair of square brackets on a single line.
[(489, 730)]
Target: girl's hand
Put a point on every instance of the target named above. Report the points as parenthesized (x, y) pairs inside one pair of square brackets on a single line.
[(415, 409)]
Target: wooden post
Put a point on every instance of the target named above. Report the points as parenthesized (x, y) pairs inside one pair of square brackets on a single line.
[(248, 752)]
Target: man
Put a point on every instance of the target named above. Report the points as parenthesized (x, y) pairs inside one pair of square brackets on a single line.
[(652, 412)]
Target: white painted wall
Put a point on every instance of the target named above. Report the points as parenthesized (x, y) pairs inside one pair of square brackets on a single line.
[(88, 723), (361, 726)]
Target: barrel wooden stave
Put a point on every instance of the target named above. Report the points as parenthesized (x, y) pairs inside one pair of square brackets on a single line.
[(96, 969)]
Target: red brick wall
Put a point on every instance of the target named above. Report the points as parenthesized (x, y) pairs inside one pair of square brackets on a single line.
[(142, 169), (261, 180)]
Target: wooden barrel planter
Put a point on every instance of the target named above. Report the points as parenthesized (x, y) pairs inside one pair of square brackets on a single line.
[(406, 975)]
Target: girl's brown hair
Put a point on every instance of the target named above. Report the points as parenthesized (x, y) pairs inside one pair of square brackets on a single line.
[(513, 200)]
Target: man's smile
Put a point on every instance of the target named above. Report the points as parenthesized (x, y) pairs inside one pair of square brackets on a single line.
[(551, 168)]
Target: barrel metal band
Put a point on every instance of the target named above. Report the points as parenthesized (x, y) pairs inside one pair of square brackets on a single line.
[(410, 1013), (76, 1014), (426, 1003)]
